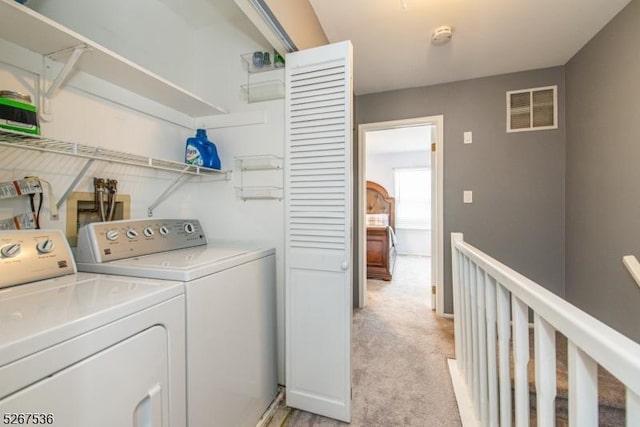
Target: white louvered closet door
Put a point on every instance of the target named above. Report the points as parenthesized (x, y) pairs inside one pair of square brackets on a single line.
[(319, 222)]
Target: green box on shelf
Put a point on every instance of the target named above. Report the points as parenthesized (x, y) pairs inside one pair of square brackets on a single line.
[(18, 116)]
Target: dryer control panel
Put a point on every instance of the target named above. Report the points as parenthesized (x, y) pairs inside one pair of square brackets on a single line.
[(31, 255), (108, 241)]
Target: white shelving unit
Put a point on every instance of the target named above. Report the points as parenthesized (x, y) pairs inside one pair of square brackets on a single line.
[(27, 28), (264, 90), (267, 162), (92, 154)]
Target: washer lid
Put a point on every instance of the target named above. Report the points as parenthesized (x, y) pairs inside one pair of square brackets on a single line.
[(183, 264), (37, 315)]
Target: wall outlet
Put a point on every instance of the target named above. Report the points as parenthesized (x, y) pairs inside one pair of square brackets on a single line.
[(467, 196), (468, 137)]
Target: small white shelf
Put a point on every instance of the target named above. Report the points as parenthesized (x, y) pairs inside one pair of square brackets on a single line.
[(29, 29), (263, 91), (264, 165), (260, 193), (258, 163)]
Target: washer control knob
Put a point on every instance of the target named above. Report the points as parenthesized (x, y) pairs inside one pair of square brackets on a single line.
[(164, 230), (148, 232), (45, 246), (10, 250), (189, 228), (131, 234), (112, 235)]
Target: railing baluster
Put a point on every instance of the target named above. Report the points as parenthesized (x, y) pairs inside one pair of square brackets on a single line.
[(583, 388), (492, 368), (520, 315), (474, 340), (482, 348), (455, 270), (468, 326), (545, 362), (633, 409), (463, 318), (503, 350)]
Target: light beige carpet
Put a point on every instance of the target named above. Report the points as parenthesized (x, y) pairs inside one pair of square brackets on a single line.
[(399, 353)]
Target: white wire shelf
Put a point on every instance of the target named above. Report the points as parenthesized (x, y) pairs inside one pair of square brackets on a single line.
[(48, 145)]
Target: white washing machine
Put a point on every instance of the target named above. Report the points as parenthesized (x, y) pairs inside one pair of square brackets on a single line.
[(230, 309), (80, 349)]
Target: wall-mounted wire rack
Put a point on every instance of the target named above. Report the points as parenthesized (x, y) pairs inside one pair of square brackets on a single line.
[(92, 154)]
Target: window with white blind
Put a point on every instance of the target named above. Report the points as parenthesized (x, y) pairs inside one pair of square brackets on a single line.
[(413, 197)]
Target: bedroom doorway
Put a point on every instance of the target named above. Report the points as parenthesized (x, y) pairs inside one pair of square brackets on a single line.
[(396, 159)]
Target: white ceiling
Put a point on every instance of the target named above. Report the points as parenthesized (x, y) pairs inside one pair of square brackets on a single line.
[(393, 50), (398, 140)]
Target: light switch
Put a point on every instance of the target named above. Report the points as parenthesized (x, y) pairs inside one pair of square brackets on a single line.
[(467, 196), (468, 137)]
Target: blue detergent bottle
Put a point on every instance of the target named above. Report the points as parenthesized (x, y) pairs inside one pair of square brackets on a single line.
[(201, 152)]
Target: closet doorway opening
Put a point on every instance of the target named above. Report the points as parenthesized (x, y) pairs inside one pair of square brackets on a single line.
[(400, 161)]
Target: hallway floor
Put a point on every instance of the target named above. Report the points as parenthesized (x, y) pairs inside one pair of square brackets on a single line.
[(399, 356)]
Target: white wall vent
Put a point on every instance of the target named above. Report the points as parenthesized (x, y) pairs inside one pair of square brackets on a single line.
[(532, 109)]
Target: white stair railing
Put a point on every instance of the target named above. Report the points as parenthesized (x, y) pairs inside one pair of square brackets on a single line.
[(491, 306)]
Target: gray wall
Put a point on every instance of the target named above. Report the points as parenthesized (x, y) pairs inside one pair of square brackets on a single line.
[(603, 173), (517, 179)]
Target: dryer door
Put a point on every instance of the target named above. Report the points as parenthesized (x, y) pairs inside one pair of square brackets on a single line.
[(124, 385)]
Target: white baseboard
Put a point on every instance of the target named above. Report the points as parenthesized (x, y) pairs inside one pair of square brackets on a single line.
[(414, 254), (465, 406), (271, 410)]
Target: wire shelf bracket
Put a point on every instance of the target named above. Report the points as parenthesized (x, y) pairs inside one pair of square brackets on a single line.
[(58, 81), (174, 185), (74, 183)]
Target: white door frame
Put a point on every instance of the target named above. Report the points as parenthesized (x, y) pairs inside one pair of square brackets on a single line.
[(437, 232)]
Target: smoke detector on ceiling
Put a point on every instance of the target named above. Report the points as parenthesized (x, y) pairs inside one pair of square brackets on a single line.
[(441, 35)]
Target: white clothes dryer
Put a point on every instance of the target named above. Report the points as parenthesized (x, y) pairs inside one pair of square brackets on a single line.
[(80, 349), (230, 309)]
